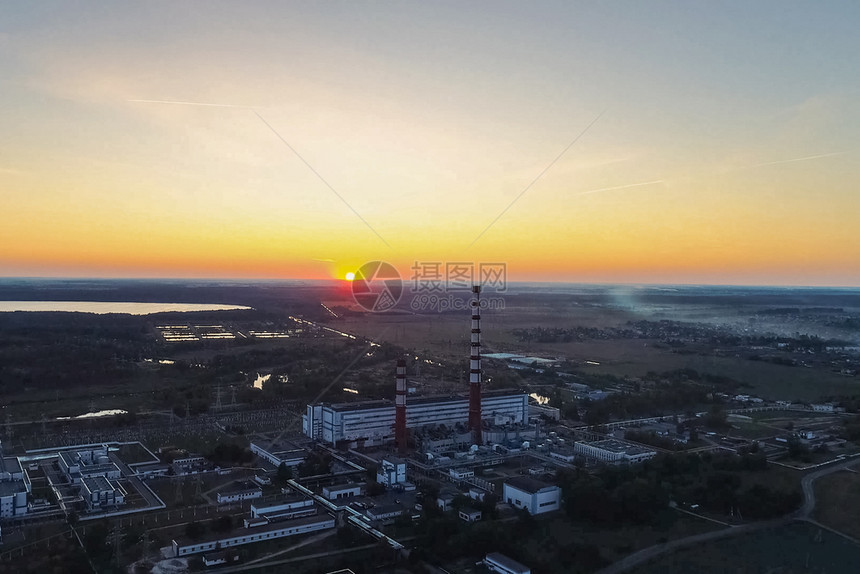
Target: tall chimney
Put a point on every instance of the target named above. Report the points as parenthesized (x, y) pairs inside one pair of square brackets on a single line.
[(475, 369), (400, 407)]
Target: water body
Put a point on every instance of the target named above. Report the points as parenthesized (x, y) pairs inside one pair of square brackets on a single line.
[(90, 415), (105, 307), (258, 382), (798, 547)]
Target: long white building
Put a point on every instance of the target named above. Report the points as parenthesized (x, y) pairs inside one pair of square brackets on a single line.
[(372, 422), (613, 451)]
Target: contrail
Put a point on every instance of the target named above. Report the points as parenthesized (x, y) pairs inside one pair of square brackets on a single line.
[(807, 158), (321, 178), (540, 175), (323, 260), (656, 181), (175, 102)]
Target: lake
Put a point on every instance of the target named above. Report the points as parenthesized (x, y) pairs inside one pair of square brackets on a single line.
[(104, 307)]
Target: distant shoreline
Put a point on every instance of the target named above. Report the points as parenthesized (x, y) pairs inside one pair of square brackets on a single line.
[(111, 307)]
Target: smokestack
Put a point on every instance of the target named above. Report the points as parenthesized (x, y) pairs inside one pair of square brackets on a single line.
[(400, 407), (475, 369)]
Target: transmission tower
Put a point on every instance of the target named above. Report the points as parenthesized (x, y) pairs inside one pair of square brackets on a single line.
[(117, 546), (177, 494), (218, 398)]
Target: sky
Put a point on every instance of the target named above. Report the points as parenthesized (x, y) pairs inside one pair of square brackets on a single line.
[(627, 141)]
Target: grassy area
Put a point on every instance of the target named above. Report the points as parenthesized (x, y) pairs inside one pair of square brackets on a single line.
[(617, 543), (752, 430), (798, 547), (837, 499), (135, 453), (447, 336)]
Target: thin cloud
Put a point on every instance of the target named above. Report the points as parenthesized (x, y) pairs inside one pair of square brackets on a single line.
[(796, 159), (183, 103), (602, 189)]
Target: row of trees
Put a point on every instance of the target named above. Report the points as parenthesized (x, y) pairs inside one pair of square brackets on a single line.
[(718, 483)]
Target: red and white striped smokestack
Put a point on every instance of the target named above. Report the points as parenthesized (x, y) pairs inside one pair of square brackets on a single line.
[(400, 407), (475, 369)]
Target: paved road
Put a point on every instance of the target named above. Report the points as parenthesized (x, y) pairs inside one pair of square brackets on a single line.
[(803, 513)]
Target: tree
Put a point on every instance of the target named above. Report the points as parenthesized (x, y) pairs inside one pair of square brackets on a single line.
[(222, 523), (284, 474), (194, 530)]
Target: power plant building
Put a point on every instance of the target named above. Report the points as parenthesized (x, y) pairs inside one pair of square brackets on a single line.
[(373, 422)]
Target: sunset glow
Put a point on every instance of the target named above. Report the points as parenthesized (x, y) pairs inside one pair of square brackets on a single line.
[(727, 151)]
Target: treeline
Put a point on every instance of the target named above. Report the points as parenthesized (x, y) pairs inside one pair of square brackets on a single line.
[(616, 496), (444, 537), (677, 334)]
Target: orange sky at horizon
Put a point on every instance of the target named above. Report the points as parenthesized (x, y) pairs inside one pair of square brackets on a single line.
[(723, 151)]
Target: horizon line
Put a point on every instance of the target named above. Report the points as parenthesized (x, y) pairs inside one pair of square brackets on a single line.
[(335, 280)]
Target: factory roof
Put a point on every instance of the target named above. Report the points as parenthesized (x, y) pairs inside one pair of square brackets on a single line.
[(384, 403), (97, 483), (527, 484), (10, 464), (614, 445), (384, 509), (509, 564), (11, 487), (242, 531)]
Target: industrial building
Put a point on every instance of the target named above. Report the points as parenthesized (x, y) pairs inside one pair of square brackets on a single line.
[(503, 565), (289, 504), (392, 471), (236, 491), (535, 496), (278, 454), (80, 464), (100, 493), (613, 451), (336, 492), (373, 422), (184, 547), (14, 487)]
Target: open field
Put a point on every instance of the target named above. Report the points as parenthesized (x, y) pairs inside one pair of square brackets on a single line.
[(798, 547), (446, 336), (838, 501), (618, 542)]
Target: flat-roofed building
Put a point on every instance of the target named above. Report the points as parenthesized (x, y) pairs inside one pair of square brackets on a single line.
[(469, 514), (183, 546), (13, 498), (503, 565), (338, 491), (391, 471), (384, 512), (372, 422), (287, 504), (99, 493), (277, 453), (80, 464), (613, 451), (239, 490), (531, 494)]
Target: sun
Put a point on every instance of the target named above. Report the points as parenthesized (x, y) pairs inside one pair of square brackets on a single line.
[(350, 276)]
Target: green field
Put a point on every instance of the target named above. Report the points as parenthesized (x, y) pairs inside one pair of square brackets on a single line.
[(798, 547)]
